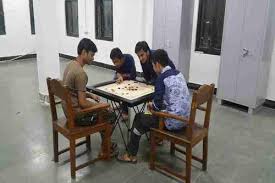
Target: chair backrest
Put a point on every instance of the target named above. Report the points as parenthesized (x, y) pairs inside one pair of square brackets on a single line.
[(204, 95), (56, 88)]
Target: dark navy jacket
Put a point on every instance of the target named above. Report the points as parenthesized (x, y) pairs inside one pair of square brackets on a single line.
[(148, 71), (128, 69)]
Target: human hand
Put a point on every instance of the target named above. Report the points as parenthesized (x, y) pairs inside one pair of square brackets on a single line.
[(119, 79), (96, 98), (150, 106)]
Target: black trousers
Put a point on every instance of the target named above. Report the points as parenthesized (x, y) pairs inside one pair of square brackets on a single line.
[(124, 107), (142, 124), (91, 119), (109, 117)]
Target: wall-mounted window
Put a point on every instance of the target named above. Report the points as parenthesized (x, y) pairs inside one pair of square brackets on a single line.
[(104, 19), (210, 26), (31, 16), (71, 13), (2, 20)]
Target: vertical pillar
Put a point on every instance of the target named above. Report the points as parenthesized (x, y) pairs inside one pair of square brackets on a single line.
[(47, 43)]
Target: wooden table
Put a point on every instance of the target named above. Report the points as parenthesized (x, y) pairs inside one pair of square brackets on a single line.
[(131, 93)]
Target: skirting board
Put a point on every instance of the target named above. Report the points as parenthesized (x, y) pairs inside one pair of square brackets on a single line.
[(17, 57)]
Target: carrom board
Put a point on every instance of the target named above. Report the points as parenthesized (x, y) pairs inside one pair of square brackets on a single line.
[(130, 91)]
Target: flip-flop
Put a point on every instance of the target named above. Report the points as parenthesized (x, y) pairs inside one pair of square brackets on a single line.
[(121, 159)]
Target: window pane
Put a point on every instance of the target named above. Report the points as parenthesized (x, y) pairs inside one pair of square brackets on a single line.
[(210, 26), (108, 18), (67, 9), (2, 20), (71, 10), (104, 19), (74, 18)]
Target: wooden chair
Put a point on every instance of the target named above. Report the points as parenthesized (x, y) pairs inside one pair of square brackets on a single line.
[(188, 137), (67, 127)]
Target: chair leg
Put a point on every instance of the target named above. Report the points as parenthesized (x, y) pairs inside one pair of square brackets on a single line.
[(108, 143), (205, 153), (172, 148), (88, 142), (72, 157), (55, 145), (188, 163), (153, 151)]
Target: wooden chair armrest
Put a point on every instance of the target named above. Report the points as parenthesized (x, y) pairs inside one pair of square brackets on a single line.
[(168, 115), (95, 108)]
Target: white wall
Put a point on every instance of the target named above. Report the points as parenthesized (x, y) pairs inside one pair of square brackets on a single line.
[(204, 68), (166, 27), (172, 31), (18, 39), (132, 21)]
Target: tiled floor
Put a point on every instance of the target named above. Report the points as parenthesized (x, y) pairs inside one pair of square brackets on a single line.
[(241, 147)]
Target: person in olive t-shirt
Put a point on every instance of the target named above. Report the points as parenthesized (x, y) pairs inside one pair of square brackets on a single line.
[(76, 78)]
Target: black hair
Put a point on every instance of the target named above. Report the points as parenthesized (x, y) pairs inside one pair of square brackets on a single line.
[(116, 53), (161, 57), (141, 45), (87, 45)]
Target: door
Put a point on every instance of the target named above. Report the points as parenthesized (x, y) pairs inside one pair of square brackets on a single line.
[(252, 44), (231, 45)]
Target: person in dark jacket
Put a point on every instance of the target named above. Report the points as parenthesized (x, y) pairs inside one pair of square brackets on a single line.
[(125, 70), (144, 54)]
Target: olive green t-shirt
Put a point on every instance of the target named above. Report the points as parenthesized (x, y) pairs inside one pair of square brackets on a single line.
[(76, 79)]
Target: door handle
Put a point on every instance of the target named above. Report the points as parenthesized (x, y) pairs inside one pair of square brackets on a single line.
[(245, 52)]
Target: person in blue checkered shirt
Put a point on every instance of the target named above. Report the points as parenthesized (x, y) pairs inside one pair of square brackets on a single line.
[(171, 95)]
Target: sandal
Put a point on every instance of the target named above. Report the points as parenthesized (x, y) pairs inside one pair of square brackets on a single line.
[(126, 158)]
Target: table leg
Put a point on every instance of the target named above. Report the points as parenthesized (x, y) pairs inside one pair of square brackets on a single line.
[(117, 122)]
